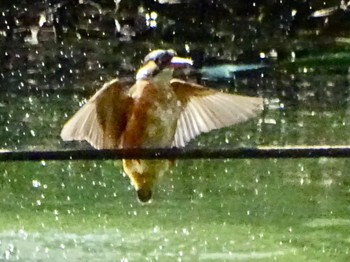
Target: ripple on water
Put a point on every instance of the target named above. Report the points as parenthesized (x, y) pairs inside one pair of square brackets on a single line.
[(236, 256), (324, 222)]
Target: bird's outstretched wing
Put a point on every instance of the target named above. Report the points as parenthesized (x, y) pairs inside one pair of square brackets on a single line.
[(102, 120), (205, 109)]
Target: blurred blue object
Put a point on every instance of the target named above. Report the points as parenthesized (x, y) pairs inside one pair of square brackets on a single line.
[(226, 71)]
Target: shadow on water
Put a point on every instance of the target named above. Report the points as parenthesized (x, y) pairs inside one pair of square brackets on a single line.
[(55, 54)]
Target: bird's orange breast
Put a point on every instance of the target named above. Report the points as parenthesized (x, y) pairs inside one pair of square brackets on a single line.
[(153, 118)]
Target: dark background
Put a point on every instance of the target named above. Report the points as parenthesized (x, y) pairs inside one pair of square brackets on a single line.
[(108, 38)]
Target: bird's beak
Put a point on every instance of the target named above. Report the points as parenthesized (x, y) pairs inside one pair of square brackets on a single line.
[(177, 62)]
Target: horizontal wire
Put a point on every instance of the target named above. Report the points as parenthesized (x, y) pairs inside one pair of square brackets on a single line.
[(180, 153)]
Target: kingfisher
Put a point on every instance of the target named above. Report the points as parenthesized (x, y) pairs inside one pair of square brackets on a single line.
[(157, 111)]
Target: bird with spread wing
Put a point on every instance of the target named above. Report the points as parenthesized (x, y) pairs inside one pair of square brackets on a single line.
[(157, 111)]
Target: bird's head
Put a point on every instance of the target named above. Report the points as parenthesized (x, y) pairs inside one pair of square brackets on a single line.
[(161, 61)]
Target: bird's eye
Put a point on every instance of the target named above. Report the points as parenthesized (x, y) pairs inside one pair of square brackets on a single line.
[(164, 59)]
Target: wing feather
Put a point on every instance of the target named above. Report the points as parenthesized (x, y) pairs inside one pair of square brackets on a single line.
[(205, 109), (101, 121)]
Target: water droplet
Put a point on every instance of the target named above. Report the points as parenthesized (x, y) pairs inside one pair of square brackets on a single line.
[(7, 255), (36, 183), (156, 229), (185, 231)]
